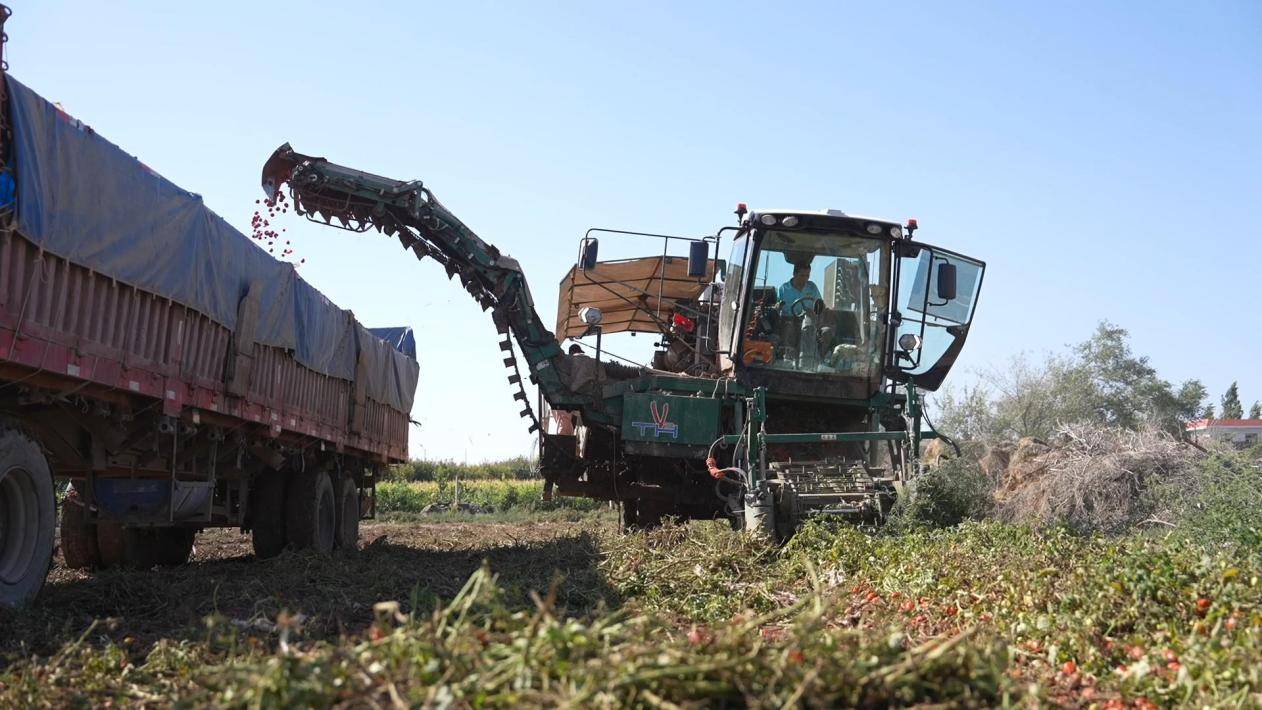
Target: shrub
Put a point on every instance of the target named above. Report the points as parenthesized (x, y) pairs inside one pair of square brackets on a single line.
[(1219, 502), (952, 492)]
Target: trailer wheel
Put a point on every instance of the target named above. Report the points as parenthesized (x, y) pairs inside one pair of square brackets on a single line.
[(348, 515), (111, 544), (175, 545), (28, 519), (143, 548), (119, 546), (311, 512), (267, 514), (78, 536)]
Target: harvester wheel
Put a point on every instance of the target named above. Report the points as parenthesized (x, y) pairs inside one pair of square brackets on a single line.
[(78, 536), (28, 518), (267, 514), (630, 515), (348, 515), (642, 515), (311, 512)]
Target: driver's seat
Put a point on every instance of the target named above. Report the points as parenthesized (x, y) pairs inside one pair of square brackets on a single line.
[(848, 329)]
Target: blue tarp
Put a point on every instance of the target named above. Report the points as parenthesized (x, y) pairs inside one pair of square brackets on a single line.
[(85, 199), (402, 338)]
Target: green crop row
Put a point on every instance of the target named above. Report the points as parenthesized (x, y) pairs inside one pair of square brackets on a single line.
[(491, 496)]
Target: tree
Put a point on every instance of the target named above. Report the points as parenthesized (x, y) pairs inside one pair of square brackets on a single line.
[(1232, 409), (1208, 411), (1255, 412), (1100, 380), (967, 415), (1125, 388)]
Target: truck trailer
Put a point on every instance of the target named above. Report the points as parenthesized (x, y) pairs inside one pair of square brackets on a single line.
[(161, 374)]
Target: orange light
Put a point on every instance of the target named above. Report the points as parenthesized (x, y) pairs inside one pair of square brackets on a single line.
[(911, 224)]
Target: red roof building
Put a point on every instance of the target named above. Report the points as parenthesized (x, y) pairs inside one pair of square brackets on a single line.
[(1242, 433)]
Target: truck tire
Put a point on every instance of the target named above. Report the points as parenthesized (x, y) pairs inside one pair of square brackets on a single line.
[(78, 536), (348, 515), (311, 512), (267, 514), (28, 519), (143, 548), (171, 546), (123, 547)]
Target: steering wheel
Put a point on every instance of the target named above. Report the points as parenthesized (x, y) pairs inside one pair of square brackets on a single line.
[(793, 307)]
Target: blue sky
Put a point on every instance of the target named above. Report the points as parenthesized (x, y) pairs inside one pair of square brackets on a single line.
[(1102, 158)]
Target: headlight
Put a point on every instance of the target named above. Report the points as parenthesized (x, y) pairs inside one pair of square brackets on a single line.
[(896, 232), (874, 229), (591, 315), (909, 342), (768, 219), (790, 221)]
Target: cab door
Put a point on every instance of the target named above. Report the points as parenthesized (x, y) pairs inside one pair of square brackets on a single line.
[(935, 299)]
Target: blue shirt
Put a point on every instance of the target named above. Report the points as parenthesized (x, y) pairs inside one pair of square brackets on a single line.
[(789, 295)]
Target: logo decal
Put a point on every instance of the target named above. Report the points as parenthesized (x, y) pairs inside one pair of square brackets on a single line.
[(660, 425)]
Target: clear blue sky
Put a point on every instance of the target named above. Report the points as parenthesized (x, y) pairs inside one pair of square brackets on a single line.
[(1103, 159)]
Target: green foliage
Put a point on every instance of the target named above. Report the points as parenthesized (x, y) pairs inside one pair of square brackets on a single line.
[(519, 468), (979, 615), (1099, 381), (954, 491), (1232, 408), (1220, 503), (1255, 412), (499, 496), (966, 416)]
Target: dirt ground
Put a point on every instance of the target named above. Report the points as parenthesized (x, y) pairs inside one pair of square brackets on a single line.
[(415, 564)]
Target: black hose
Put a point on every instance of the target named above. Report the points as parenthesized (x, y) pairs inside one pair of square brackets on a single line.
[(925, 413)]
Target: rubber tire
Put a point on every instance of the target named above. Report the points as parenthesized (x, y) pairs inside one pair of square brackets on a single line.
[(78, 537), (28, 519), (267, 514), (347, 516), (641, 515), (171, 546), (111, 543), (630, 515), (143, 548), (311, 512)]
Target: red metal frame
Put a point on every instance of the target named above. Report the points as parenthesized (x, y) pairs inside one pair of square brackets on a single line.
[(59, 319)]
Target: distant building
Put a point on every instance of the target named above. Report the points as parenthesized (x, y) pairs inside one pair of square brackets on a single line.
[(1242, 433)]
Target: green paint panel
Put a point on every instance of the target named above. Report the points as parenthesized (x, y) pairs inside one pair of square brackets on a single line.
[(670, 419)]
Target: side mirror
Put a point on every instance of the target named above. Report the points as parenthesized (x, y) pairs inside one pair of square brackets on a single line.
[(588, 255), (698, 255), (946, 281)]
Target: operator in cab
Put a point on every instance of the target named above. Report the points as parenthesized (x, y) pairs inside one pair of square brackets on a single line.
[(797, 288)]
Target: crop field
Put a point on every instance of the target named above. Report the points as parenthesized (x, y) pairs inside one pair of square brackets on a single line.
[(508, 496), (540, 611)]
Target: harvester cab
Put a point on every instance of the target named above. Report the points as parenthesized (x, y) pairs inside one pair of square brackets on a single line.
[(786, 379), (824, 304)]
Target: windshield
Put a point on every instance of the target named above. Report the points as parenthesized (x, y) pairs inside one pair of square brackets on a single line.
[(815, 304)]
